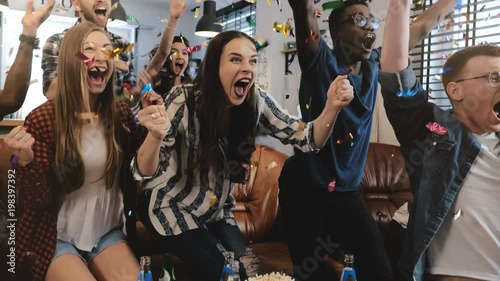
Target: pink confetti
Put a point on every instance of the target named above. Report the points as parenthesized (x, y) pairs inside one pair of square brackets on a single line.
[(436, 128), (331, 185), (86, 60), (194, 49)]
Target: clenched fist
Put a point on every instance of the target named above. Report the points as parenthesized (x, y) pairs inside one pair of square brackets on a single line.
[(340, 93), (154, 118)]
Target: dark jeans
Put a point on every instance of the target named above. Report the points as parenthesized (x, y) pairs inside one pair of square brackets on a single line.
[(345, 218), (198, 247), (394, 240)]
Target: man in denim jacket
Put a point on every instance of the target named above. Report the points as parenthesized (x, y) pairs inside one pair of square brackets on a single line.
[(452, 158)]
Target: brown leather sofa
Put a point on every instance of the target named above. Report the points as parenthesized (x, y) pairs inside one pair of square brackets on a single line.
[(385, 187)]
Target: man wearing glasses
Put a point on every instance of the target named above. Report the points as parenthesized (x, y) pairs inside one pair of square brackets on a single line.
[(321, 189), (454, 157)]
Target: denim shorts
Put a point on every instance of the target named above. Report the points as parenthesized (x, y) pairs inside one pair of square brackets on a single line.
[(110, 238)]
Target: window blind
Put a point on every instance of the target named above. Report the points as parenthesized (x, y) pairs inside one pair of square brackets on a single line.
[(477, 22), (239, 16)]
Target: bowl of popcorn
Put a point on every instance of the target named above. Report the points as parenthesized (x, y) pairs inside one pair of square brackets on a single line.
[(275, 276)]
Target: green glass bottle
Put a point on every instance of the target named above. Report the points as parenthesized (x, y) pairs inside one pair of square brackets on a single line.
[(168, 268)]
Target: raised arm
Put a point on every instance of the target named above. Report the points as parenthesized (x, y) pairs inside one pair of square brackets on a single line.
[(17, 82), (394, 56), (177, 8), (305, 24), (428, 19), (405, 100)]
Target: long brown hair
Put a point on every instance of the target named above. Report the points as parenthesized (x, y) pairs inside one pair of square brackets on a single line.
[(221, 124), (73, 97)]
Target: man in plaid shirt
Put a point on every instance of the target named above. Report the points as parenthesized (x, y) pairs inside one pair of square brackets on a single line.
[(97, 12)]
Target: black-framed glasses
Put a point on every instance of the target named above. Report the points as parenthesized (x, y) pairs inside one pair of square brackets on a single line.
[(362, 21), (493, 78)]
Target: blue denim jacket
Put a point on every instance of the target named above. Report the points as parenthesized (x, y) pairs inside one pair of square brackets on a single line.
[(437, 164)]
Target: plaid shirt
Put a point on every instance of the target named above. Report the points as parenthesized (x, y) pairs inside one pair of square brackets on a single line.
[(50, 58), (37, 225)]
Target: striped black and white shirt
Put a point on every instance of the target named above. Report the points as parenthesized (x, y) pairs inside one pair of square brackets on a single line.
[(178, 205)]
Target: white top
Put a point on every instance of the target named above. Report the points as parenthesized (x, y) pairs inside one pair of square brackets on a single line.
[(468, 242), (178, 205), (93, 210)]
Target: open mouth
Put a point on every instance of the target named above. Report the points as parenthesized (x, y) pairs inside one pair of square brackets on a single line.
[(179, 66), (369, 41), (97, 74), (496, 110), (101, 13), (241, 86)]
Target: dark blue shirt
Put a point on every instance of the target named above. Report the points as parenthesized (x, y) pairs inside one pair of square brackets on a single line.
[(341, 159)]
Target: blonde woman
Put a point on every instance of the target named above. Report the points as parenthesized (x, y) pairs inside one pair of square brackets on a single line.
[(71, 157)]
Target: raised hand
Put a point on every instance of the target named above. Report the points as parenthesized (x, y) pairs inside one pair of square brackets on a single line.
[(340, 93), (177, 8), (20, 143), (31, 21), (155, 119)]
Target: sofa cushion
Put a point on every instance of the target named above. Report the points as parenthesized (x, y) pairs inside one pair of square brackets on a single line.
[(385, 185), (257, 200)]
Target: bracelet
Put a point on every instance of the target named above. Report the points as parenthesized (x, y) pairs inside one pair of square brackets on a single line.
[(33, 41), (14, 160)]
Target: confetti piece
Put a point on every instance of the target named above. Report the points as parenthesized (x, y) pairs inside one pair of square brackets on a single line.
[(334, 5), (163, 20), (331, 185), (115, 52), (271, 165), (347, 140), (193, 49), (147, 88), (285, 28), (250, 21), (457, 214), (318, 13), (436, 128), (259, 44), (88, 62), (308, 105), (213, 200), (131, 18)]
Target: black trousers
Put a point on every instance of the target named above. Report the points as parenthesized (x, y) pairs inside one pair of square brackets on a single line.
[(198, 247), (348, 224), (394, 240)]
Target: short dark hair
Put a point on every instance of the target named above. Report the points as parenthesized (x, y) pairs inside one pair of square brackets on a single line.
[(336, 15), (456, 62)]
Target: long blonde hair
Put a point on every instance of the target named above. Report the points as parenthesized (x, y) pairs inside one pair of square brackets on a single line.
[(73, 97)]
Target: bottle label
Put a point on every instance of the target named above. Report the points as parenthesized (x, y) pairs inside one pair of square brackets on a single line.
[(348, 274)]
